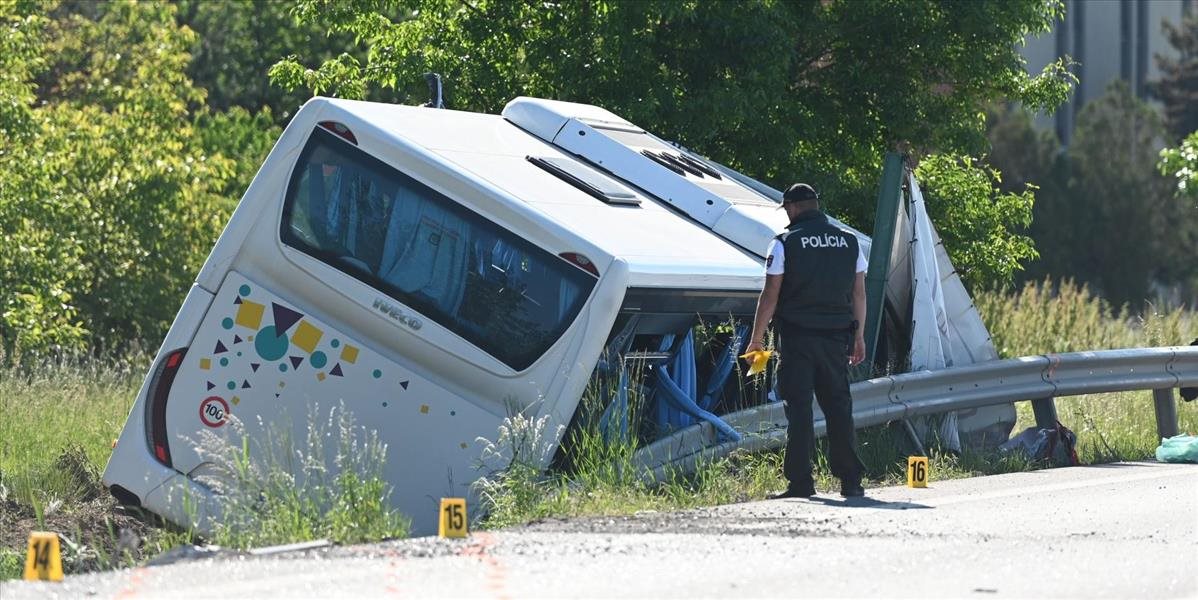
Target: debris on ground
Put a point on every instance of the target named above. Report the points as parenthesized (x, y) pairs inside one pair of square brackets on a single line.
[(1057, 445), (1178, 449)]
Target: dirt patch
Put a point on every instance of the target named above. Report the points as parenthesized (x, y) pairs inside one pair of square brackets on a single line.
[(95, 533)]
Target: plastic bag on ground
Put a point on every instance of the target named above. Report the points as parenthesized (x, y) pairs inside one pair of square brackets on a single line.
[(1058, 444), (1178, 449)]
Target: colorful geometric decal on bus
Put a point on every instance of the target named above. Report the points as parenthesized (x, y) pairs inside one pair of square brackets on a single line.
[(262, 340), (288, 338), (265, 360)]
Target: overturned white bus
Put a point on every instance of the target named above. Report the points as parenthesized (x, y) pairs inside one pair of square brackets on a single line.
[(431, 269)]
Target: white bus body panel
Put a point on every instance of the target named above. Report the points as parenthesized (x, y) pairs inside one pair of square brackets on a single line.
[(467, 392), (238, 366)]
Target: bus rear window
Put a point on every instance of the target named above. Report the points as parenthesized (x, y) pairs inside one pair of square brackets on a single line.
[(477, 279)]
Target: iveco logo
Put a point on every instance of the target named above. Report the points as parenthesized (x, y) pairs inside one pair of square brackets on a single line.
[(393, 311)]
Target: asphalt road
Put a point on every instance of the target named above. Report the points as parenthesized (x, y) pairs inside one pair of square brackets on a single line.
[(1125, 530)]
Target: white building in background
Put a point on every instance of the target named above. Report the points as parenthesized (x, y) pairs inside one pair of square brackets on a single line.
[(1109, 39)]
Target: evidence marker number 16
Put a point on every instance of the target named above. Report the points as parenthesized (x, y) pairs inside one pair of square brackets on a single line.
[(917, 471)]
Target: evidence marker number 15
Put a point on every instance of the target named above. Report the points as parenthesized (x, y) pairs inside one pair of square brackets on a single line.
[(917, 471), (452, 518)]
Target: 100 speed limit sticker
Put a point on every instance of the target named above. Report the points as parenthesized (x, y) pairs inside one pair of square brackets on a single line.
[(214, 411)]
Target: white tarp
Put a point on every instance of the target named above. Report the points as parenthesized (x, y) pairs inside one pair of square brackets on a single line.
[(969, 338), (931, 347)]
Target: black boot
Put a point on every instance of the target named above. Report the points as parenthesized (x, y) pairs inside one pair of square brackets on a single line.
[(851, 489), (795, 492)]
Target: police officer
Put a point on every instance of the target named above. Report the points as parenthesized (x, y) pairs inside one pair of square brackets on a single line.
[(815, 285)]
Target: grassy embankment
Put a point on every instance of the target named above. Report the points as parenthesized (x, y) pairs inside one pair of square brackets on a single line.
[(59, 423), (58, 430)]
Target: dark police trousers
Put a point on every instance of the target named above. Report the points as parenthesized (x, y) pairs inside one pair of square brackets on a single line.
[(817, 362)]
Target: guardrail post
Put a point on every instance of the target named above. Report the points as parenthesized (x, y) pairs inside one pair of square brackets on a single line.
[(1045, 410), (1166, 412)]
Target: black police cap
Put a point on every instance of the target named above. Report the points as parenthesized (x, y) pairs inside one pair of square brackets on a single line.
[(799, 192)]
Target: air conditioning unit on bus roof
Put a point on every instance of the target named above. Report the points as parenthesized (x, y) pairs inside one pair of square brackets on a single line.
[(679, 178)]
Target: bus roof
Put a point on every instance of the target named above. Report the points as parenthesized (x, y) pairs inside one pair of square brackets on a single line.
[(662, 247)]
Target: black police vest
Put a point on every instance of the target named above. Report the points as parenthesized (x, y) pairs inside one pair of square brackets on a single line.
[(820, 269)]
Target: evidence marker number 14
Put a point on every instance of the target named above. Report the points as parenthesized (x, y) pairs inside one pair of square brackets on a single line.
[(917, 471), (44, 560)]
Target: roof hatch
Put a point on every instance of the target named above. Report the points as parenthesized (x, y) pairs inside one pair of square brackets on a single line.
[(588, 180)]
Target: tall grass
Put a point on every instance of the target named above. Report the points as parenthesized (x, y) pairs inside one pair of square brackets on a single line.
[(598, 475), (1066, 317), (329, 486), (58, 422), (68, 405)]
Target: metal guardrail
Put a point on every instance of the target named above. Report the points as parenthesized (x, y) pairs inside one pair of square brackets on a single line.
[(885, 399)]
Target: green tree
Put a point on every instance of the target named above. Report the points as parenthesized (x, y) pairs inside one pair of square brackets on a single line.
[(39, 266), (237, 41), (1177, 87), (20, 60), (1105, 215), (112, 188), (244, 138), (1181, 164), (811, 90), (1027, 157), (1123, 202), (1031, 158), (981, 225)]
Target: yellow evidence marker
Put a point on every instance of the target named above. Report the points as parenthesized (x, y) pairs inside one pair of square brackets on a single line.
[(758, 360), (44, 561), (917, 471), (453, 518)]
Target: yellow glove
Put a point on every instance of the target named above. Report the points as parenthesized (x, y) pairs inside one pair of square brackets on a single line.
[(758, 360)]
